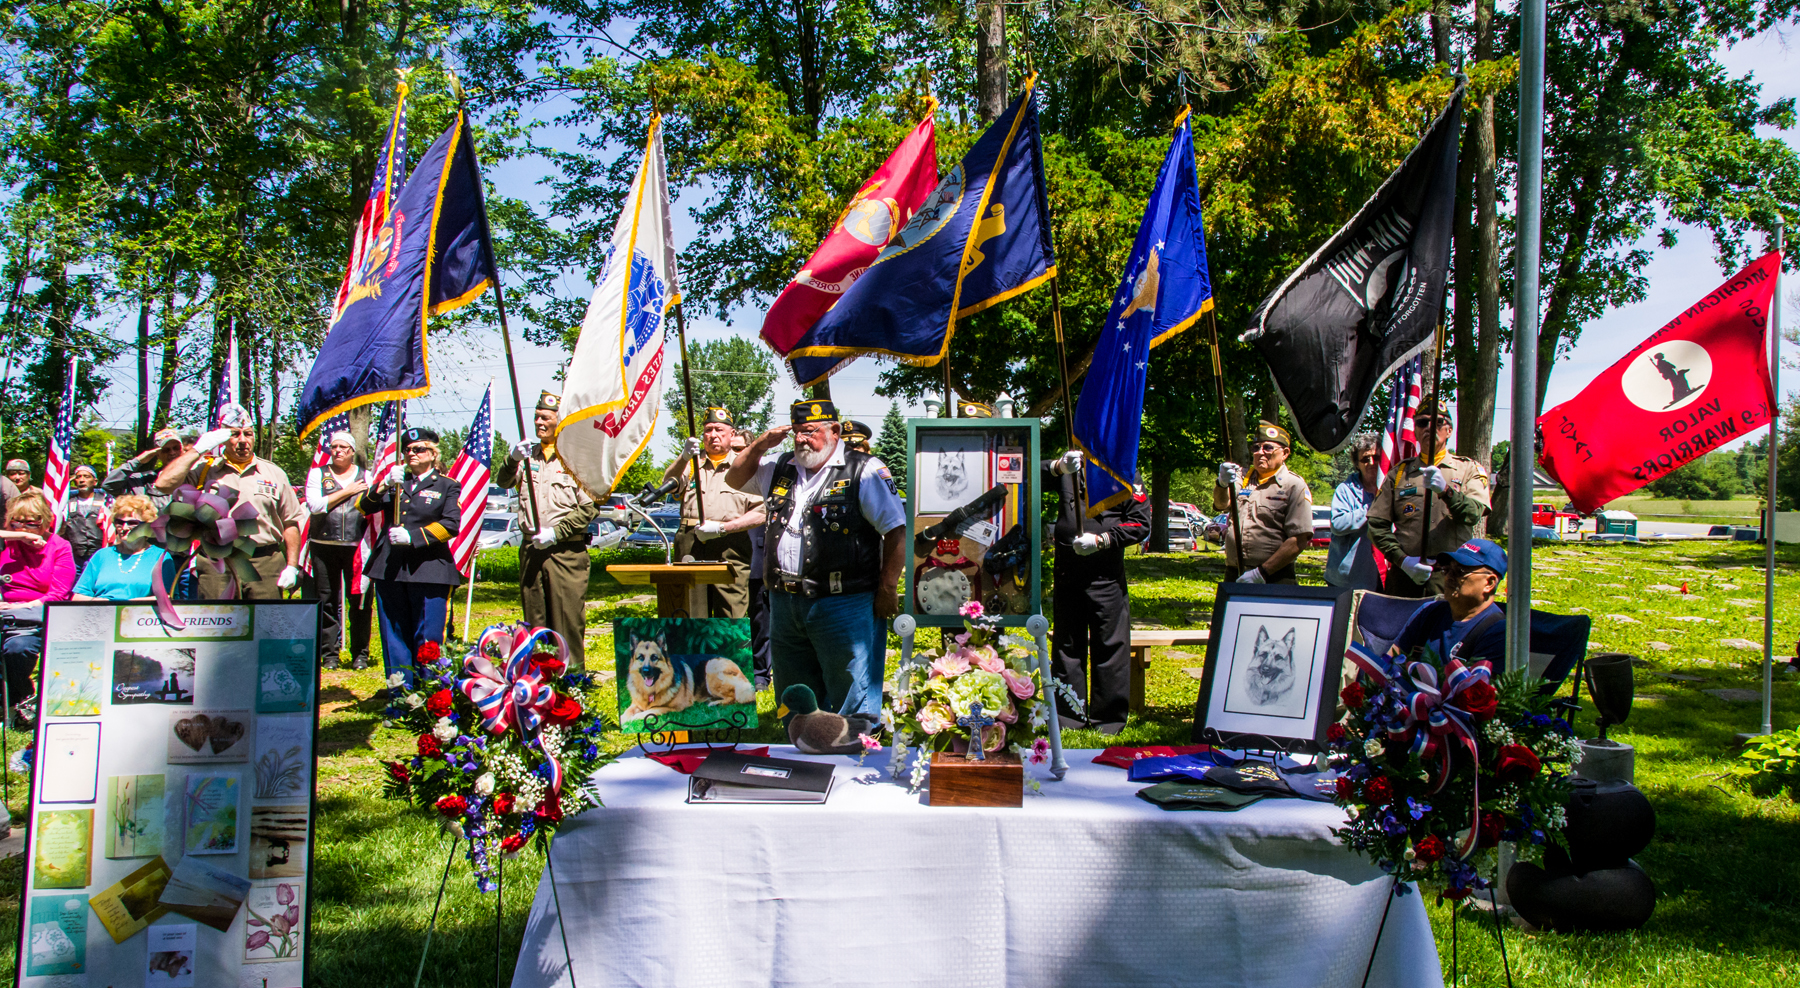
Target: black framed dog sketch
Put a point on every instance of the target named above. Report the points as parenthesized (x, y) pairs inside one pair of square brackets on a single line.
[(1273, 662)]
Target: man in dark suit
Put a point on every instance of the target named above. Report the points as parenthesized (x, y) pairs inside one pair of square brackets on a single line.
[(1092, 612)]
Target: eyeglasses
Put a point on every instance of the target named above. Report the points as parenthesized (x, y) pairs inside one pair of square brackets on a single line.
[(24, 523), (809, 431), (1267, 447)]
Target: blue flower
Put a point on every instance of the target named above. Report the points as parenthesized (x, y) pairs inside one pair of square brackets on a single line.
[(590, 752), (1416, 809)]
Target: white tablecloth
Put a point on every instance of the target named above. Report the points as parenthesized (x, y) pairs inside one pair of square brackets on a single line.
[(1087, 885)]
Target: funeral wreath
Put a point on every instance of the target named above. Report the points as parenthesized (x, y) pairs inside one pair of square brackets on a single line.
[(499, 737)]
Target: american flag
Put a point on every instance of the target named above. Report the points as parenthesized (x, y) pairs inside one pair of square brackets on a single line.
[(473, 467), (1399, 441), (316, 473), (60, 462), (226, 392), (390, 178), (382, 465)]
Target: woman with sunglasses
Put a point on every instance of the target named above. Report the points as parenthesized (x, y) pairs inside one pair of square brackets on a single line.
[(1350, 562), (412, 567), (36, 565), (126, 570)]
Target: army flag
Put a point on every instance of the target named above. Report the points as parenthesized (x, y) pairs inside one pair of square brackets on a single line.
[(1695, 384), (1166, 289), (876, 212), (981, 237), (1370, 298), (384, 188), (430, 256), (615, 377)]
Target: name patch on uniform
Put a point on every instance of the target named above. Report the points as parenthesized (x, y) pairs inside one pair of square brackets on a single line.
[(1407, 492)]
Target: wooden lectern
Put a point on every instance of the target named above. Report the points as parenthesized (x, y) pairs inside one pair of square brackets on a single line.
[(674, 582)]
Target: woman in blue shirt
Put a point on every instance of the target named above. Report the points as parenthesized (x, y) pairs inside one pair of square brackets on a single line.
[(1350, 562), (119, 572)]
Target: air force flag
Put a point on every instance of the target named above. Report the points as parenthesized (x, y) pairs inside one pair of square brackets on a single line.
[(615, 377), (981, 237), (1166, 289)]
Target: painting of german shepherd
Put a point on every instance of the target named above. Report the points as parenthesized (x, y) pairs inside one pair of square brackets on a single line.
[(683, 673)]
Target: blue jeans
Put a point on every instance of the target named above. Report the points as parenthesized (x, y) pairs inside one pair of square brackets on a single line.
[(833, 645), (411, 615)]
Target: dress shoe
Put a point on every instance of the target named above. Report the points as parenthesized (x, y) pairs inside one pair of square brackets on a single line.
[(360, 662), (1110, 729), (331, 662)]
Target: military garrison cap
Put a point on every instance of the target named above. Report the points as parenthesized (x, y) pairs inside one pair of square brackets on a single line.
[(816, 410), (1432, 408), (549, 402), (1270, 432), (717, 414)]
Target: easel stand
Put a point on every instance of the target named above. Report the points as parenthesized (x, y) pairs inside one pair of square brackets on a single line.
[(1455, 909), (499, 914), (907, 627)]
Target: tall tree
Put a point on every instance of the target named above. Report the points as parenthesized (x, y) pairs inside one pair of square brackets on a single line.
[(890, 445), (731, 373)]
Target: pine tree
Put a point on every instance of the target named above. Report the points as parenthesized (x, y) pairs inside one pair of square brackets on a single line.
[(890, 446)]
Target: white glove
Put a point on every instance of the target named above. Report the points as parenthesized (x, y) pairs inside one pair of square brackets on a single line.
[(1252, 575), (398, 535), (521, 450), (1418, 569), (212, 440), (1229, 474), (709, 530), (545, 538), (1435, 479), (1086, 544), (692, 449), (1066, 464), (290, 576)]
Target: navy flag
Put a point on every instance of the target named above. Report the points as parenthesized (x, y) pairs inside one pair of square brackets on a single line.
[(1166, 289), (429, 257), (946, 263), (1370, 298)]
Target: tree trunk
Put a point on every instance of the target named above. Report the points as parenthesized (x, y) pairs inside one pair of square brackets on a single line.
[(171, 358), (274, 397), (1234, 419), (360, 418), (812, 83), (1480, 381), (144, 400), (1159, 507), (1440, 33), (990, 59)]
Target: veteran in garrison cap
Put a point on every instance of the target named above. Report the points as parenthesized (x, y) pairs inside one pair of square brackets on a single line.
[(412, 567), (730, 515), (554, 512), (1274, 506), (1460, 497)]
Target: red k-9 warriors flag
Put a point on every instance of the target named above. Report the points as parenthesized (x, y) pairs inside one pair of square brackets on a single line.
[(1697, 383)]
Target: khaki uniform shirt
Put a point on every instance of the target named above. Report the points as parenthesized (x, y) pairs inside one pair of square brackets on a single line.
[(1274, 511), (555, 489), (1397, 517), (723, 502), (263, 484)]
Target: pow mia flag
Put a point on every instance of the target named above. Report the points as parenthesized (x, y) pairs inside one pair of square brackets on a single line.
[(1368, 300)]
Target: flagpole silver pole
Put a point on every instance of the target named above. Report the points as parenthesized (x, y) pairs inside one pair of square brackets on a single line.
[(1768, 683), (1525, 332)]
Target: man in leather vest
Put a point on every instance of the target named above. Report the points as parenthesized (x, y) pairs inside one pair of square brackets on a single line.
[(1091, 634), (333, 539), (87, 517), (834, 548), (554, 513)]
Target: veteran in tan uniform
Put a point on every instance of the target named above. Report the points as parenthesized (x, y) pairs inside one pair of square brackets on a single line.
[(1274, 506), (1460, 496), (730, 515), (553, 517)]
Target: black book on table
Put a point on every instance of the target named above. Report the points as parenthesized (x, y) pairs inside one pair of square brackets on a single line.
[(734, 777)]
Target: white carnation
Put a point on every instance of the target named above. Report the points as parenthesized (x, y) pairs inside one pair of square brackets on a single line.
[(444, 731), (485, 784)]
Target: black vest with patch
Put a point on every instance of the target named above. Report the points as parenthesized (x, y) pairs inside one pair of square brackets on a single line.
[(840, 552)]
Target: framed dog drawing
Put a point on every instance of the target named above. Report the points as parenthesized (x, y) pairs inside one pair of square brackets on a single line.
[(691, 674), (1273, 663)]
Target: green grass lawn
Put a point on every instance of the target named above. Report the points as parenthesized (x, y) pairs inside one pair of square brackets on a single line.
[(1725, 862), (1737, 511)]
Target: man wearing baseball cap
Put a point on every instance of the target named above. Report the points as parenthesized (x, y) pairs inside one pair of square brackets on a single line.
[(18, 473), (257, 481), (730, 514), (1465, 623), (1274, 505), (138, 474)]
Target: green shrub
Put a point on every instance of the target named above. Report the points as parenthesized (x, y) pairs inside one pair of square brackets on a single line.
[(1771, 764)]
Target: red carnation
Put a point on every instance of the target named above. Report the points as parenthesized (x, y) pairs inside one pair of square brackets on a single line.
[(503, 802), (1517, 763), (564, 709), (512, 843), (549, 810), (1354, 696), (428, 653), (429, 747), (1489, 830), (452, 806), (399, 772), (1480, 700), (1343, 787), (1429, 849), (439, 704), (1378, 791), (1336, 734)]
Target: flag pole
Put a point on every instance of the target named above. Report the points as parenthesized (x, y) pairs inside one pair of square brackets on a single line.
[(1525, 331), (1218, 369), (1062, 364), (687, 395), (1437, 406), (487, 247), (1768, 683)]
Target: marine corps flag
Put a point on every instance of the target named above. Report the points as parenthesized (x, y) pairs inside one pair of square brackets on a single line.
[(981, 237), (1165, 290), (876, 212), (1701, 381), (615, 378), (1370, 298), (429, 257)]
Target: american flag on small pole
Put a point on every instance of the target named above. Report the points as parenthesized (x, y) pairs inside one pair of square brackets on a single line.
[(226, 393), (472, 468), (1399, 440), (60, 462), (384, 463), (321, 457)]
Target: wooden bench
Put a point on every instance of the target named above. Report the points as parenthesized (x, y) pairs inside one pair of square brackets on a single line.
[(1145, 639)]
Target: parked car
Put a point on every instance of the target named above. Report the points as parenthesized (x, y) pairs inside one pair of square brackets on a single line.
[(499, 530), (1181, 537), (614, 508), (1544, 533), (645, 534), (1546, 515), (1321, 525), (600, 529), (502, 499), (1214, 529)]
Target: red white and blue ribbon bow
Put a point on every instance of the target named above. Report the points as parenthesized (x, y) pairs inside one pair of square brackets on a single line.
[(519, 692)]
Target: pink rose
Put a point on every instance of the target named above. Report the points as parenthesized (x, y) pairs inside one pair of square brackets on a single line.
[(1019, 683), (934, 718), (989, 660), (949, 665), (1008, 716)]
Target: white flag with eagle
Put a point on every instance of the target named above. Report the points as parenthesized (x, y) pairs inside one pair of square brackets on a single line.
[(615, 377)]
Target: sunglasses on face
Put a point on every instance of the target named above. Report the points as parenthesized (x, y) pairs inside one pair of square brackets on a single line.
[(1267, 447), (127, 523), (417, 449)]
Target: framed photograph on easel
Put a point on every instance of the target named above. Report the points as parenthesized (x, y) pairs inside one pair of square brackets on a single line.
[(972, 498), (1272, 666)]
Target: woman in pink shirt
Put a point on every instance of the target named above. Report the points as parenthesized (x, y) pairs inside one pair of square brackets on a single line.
[(36, 565)]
